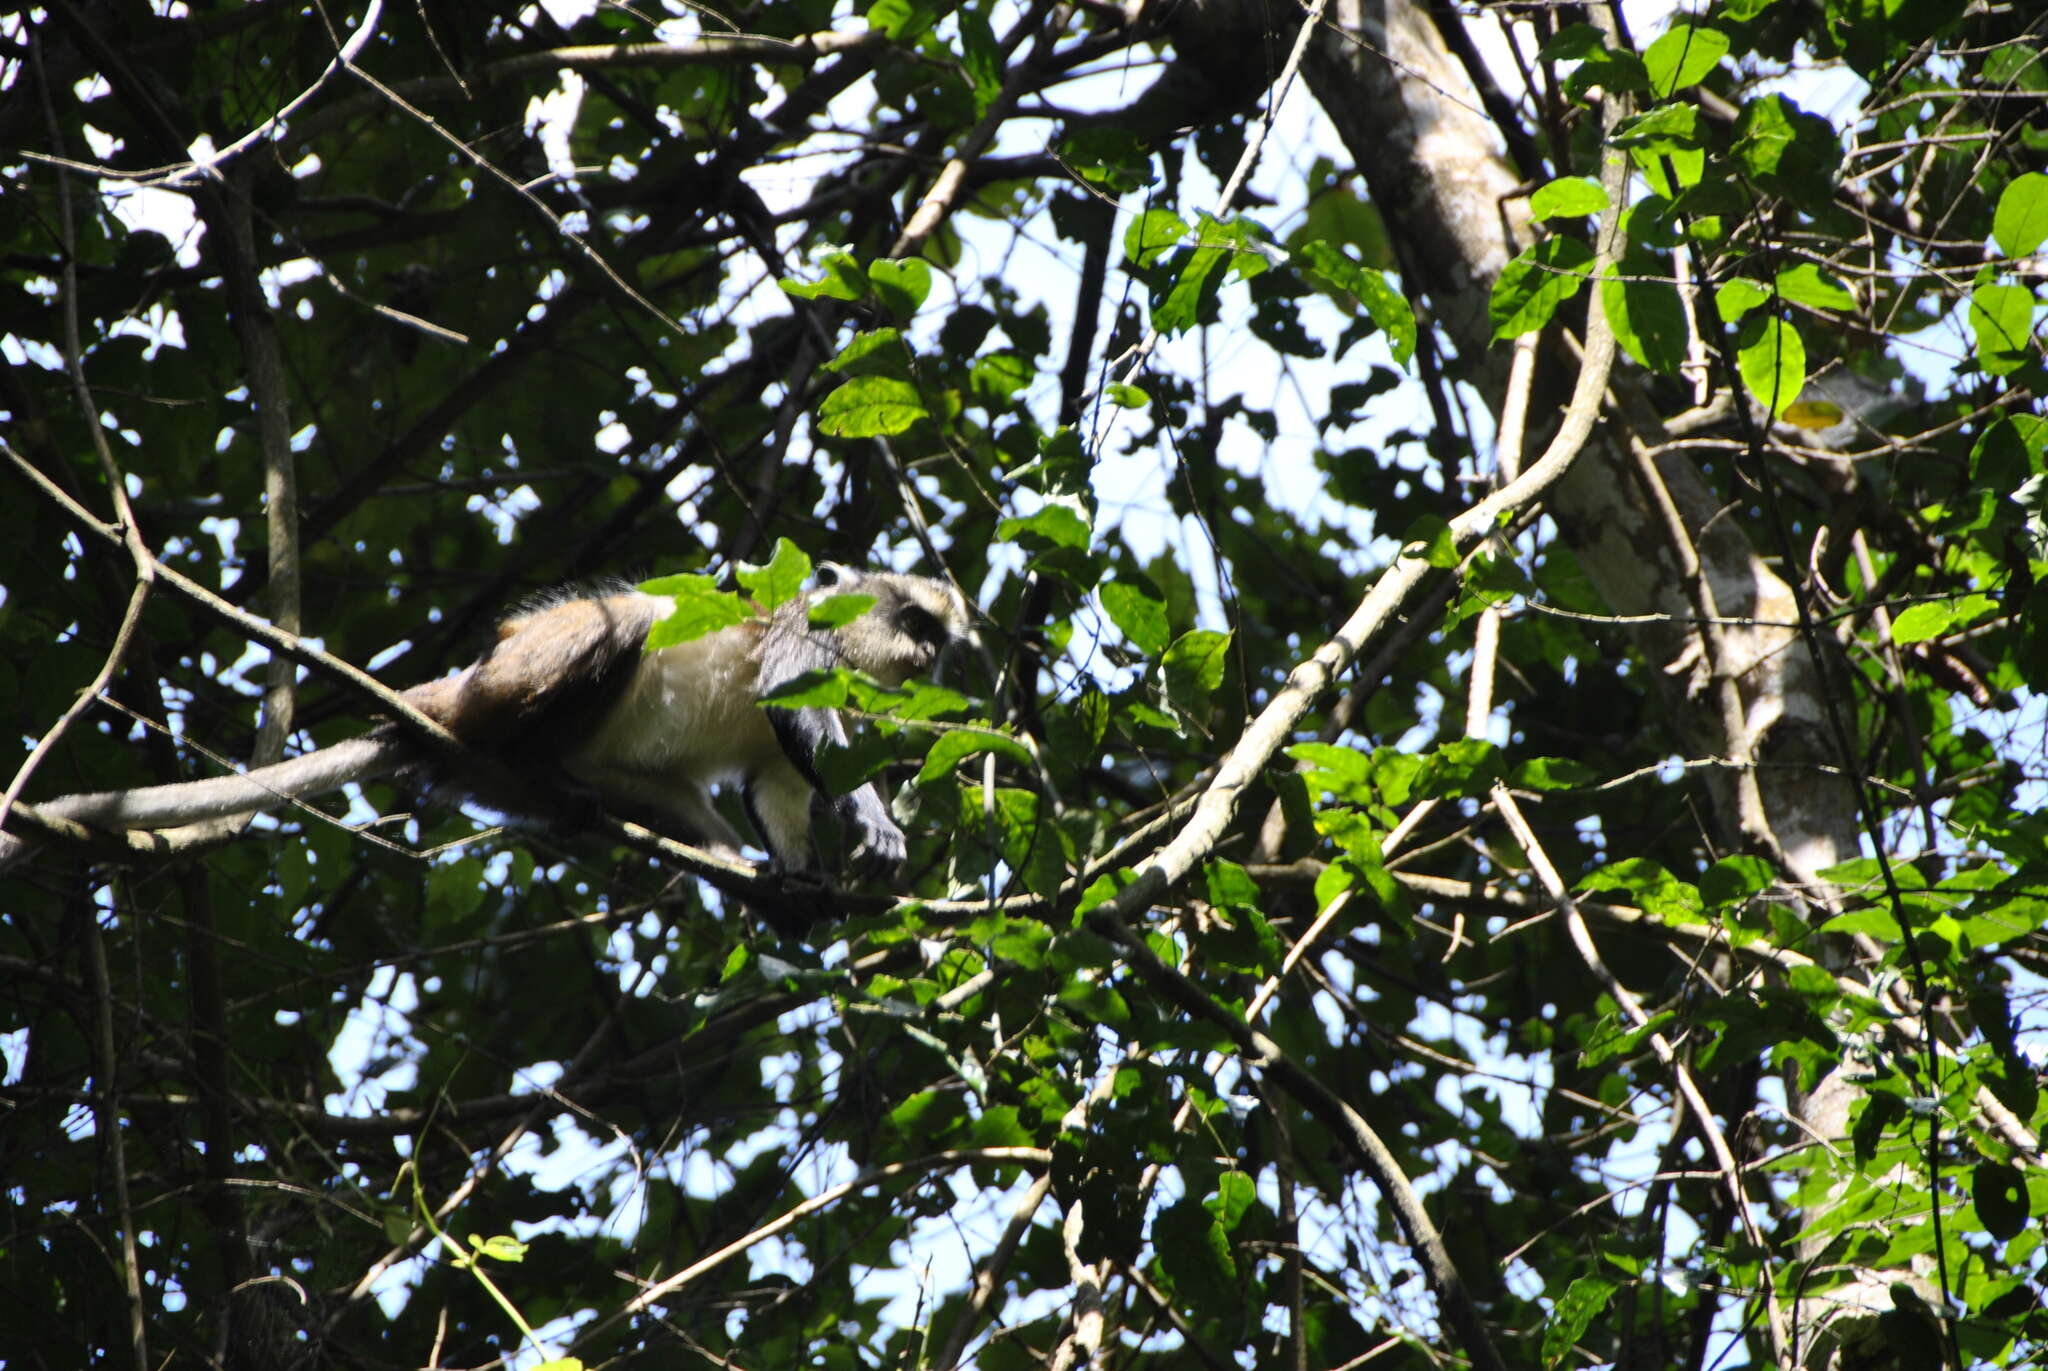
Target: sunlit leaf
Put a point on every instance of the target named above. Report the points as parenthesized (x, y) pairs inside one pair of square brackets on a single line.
[(1567, 197), (901, 286), (1535, 284), (1773, 363), (1194, 664), (1139, 616), (1683, 57), (871, 407), (780, 579), (2021, 222), (700, 608), (1644, 308), (2002, 322)]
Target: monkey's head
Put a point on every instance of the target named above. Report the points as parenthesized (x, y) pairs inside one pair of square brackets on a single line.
[(913, 621)]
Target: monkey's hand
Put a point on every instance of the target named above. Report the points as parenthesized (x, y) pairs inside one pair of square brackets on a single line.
[(878, 844)]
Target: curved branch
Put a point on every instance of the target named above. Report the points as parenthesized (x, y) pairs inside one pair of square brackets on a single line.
[(1667, 1056), (1275, 725)]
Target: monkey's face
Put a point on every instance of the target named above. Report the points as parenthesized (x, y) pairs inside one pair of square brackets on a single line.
[(908, 628)]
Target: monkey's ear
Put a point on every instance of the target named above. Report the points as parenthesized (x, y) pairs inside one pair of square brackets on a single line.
[(832, 574)]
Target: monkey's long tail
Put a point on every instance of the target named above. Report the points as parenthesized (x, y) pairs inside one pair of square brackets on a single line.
[(219, 797)]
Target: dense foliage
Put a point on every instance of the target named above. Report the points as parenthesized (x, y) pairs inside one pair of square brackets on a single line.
[(1605, 926)]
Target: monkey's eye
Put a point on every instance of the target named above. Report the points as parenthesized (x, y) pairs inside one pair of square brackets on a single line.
[(922, 627)]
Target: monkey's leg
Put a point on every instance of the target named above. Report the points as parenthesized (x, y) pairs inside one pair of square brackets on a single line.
[(779, 802), (878, 845)]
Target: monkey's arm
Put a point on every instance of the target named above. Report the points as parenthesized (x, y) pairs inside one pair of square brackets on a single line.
[(878, 846), (220, 797)]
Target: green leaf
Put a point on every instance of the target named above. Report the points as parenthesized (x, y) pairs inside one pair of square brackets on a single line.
[(1568, 197), (1001, 1126), (1683, 57), (1609, 1039), (1662, 129), (903, 21), (1535, 284), (1933, 618), (1463, 766), (1197, 276), (1580, 1304), (1431, 539), (1644, 308), (1105, 888), (1655, 890), (1193, 666), (1999, 1194), (1150, 234), (1572, 43), (843, 280), (2020, 223), (1875, 33), (1058, 524), (1551, 773), (1000, 375), (778, 581), (501, 1248), (1804, 284), (837, 611), (1235, 1193), (2002, 318), (1599, 65), (1180, 309), (1787, 150), (871, 407), (1137, 615), (1993, 921), (1732, 881), (1386, 307), (1194, 1252), (1918, 623), (981, 56), (956, 745), (901, 285), (1127, 397), (812, 689), (1773, 364), (700, 608), (1108, 156), (1345, 772), (1877, 922), (1737, 296), (1229, 884), (1092, 1001), (882, 344)]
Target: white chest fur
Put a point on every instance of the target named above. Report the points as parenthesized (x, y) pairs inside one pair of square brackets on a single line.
[(688, 712)]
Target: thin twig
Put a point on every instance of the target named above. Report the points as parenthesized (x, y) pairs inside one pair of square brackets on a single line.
[(938, 1162), (1710, 1128), (107, 1119), (117, 485)]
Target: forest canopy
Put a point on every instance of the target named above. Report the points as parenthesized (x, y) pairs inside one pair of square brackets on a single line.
[(1493, 815)]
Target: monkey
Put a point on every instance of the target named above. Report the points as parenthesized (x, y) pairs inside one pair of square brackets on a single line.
[(567, 694)]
